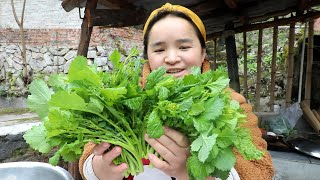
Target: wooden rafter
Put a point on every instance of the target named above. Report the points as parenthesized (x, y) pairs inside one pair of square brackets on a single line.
[(117, 18), (301, 6), (110, 5), (207, 6), (279, 22), (121, 4), (232, 4), (271, 15), (68, 5)]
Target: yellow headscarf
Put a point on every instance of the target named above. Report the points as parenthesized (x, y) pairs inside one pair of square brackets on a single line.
[(169, 7)]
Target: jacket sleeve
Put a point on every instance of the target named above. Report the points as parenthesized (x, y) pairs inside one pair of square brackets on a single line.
[(87, 151), (256, 169)]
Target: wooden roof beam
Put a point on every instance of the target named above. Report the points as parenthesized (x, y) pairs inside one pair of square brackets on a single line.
[(279, 22), (68, 5), (117, 17), (121, 4), (232, 4), (301, 6), (206, 7)]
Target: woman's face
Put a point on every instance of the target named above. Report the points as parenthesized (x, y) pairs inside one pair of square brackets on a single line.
[(173, 43)]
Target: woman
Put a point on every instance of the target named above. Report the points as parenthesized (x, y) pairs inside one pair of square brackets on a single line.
[(174, 37)]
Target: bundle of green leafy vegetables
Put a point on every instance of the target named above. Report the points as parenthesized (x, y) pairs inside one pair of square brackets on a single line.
[(88, 105)]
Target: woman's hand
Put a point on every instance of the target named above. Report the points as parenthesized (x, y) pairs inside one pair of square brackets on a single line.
[(173, 147), (102, 164)]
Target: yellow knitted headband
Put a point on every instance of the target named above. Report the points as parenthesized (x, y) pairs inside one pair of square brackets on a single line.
[(169, 7)]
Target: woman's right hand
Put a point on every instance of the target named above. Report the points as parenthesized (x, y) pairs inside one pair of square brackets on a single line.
[(102, 164)]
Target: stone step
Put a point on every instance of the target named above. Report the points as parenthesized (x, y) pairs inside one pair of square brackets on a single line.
[(12, 117), (13, 124)]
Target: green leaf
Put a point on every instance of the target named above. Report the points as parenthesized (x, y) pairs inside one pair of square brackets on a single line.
[(72, 151), (234, 104), (214, 152), (225, 159), (220, 84), (166, 81), (202, 124), (59, 121), (80, 71), (189, 80), (113, 94), (154, 125), (197, 169), (196, 71), (58, 81), (207, 77), (186, 104), (134, 103), (221, 174), (245, 145), (115, 59), (36, 138), (154, 77), (95, 105), (226, 137), (38, 100), (163, 93), (65, 100), (204, 145), (214, 108), (197, 108), (54, 160), (133, 90)]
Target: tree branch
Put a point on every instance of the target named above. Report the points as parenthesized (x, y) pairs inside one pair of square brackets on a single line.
[(22, 15), (14, 13)]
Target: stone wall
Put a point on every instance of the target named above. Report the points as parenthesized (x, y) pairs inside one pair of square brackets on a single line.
[(52, 50)]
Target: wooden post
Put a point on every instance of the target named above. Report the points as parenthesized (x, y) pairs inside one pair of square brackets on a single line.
[(215, 54), (245, 65), (273, 66), (73, 169), (86, 28), (290, 64), (307, 92), (232, 61), (259, 60)]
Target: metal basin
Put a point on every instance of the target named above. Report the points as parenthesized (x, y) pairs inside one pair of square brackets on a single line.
[(32, 171)]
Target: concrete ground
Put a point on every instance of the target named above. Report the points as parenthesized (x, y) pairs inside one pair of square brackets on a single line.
[(295, 166)]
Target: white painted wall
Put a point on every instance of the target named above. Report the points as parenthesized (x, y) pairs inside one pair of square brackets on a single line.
[(39, 14)]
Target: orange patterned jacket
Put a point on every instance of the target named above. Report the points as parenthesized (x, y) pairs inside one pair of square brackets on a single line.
[(248, 170)]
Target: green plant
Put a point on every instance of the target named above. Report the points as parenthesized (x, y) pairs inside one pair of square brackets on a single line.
[(89, 105)]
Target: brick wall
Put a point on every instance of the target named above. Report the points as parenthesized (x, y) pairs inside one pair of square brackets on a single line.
[(71, 37), (47, 24)]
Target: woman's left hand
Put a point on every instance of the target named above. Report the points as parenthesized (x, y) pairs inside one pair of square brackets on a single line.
[(173, 147)]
